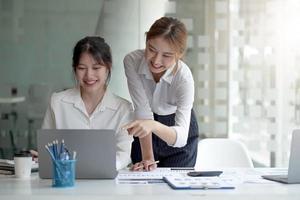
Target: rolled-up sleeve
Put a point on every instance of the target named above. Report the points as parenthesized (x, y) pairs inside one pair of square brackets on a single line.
[(185, 99), (142, 109), (124, 141)]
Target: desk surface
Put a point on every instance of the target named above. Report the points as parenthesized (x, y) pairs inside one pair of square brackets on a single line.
[(35, 188)]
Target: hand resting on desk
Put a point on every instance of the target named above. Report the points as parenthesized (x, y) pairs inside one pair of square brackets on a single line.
[(145, 165)]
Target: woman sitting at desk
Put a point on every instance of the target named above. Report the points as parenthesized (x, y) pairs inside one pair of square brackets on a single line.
[(90, 105)]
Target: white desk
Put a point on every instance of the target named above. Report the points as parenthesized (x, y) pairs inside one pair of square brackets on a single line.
[(12, 100), (35, 188)]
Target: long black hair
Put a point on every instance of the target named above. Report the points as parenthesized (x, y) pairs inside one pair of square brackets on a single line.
[(96, 47)]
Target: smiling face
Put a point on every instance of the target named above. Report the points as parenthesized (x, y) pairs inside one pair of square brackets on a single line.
[(160, 56), (90, 74)]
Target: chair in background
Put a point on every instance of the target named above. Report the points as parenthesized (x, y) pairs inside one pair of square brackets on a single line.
[(7, 145), (38, 97), (6, 101), (11, 104), (21, 133), (216, 153)]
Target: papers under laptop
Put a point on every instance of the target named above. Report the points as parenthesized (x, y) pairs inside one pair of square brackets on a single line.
[(96, 152), (293, 175)]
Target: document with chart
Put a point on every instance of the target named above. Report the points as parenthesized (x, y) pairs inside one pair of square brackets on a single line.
[(181, 182)]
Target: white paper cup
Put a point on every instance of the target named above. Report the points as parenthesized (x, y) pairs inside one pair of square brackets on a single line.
[(23, 162)]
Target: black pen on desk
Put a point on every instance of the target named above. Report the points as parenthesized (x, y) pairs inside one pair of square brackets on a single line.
[(152, 163), (183, 168)]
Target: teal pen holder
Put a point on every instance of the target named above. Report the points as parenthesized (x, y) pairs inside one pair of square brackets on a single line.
[(64, 173)]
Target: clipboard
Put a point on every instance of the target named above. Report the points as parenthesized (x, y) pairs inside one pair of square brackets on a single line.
[(200, 183)]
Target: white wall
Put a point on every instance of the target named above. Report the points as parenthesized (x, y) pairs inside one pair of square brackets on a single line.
[(123, 24), (37, 38)]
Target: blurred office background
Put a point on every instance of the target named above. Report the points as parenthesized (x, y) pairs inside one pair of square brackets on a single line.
[(244, 56)]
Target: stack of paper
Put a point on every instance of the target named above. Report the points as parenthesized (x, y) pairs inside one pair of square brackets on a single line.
[(179, 182), (6, 166)]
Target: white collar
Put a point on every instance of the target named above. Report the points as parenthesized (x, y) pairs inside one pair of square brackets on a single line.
[(144, 70), (108, 100)]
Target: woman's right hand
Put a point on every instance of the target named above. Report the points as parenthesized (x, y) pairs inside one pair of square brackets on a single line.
[(140, 128)]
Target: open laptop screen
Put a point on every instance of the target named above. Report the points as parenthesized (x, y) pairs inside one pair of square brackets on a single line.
[(96, 151), (293, 175)]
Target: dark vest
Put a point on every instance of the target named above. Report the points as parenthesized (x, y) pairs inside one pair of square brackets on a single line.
[(170, 156)]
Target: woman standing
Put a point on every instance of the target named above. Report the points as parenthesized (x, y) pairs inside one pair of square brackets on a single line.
[(162, 90)]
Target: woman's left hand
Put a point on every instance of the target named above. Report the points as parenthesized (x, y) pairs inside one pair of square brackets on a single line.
[(140, 128), (34, 155), (145, 165)]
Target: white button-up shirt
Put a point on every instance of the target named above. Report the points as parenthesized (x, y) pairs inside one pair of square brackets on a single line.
[(67, 111), (174, 93)]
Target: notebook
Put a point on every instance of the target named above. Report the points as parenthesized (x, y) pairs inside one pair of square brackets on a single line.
[(293, 175), (96, 152), (185, 182)]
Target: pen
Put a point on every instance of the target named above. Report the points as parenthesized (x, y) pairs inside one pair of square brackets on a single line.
[(62, 146), (74, 155), (53, 150), (50, 152), (152, 163), (183, 168), (55, 144)]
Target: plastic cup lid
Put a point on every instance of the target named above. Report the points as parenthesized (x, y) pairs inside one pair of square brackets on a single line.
[(23, 154)]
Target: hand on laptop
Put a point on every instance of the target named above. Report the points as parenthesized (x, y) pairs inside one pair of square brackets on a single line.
[(145, 165), (34, 155)]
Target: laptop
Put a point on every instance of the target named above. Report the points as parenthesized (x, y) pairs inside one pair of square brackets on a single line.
[(293, 175), (96, 152)]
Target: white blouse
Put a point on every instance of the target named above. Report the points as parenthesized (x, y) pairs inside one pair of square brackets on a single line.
[(174, 93), (67, 111)]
